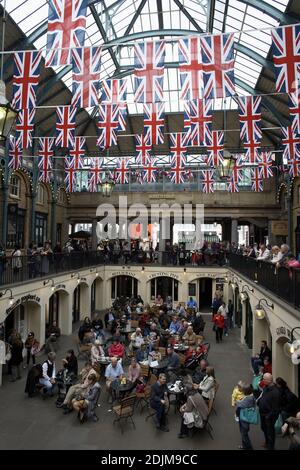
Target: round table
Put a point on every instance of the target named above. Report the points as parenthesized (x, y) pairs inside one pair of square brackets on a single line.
[(179, 396), (122, 390)]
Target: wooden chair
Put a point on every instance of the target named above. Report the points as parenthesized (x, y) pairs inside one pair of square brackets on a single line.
[(162, 352), (217, 385), (125, 410), (145, 370), (143, 398)]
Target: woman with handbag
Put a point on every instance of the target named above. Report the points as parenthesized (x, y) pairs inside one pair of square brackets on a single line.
[(32, 348), (248, 415), (194, 412)]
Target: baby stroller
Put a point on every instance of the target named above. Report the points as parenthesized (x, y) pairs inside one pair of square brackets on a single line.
[(201, 353)]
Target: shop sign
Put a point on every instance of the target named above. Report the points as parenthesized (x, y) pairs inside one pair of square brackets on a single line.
[(22, 300), (163, 274), (123, 273), (283, 331), (205, 275), (60, 286), (279, 227)]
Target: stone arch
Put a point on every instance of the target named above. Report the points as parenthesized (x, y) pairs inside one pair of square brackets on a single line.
[(61, 305), (97, 294)]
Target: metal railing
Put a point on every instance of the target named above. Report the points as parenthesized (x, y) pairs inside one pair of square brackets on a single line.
[(283, 282), (15, 270)]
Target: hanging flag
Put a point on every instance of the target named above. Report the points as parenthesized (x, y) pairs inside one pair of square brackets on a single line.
[(154, 120), (86, 63), (149, 60), (77, 151), (178, 158), (143, 148), (252, 151), (45, 162), (15, 154), (250, 118), (290, 144), (257, 181), (265, 164), (200, 114), (294, 106), (26, 78), (72, 165), (66, 29), (215, 148), (24, 127), (286, 56), (187, 128), (122, 171), (218, 65), (95, 174), (190, 68), (122, 116), (65, 126), (108, 125), (207, 181), (114, 91), (294, 167), (149, 171), (235, 177)]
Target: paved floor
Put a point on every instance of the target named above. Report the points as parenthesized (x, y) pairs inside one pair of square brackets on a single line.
[(31, 423)]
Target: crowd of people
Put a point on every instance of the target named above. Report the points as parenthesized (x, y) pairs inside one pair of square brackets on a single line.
[(278, 256)]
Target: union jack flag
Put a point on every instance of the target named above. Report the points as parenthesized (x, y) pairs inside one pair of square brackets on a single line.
[(218, 65), (66, 29), (108, 125), (190, 68), (265, 164), (45, 153), (290, 144), (294, 106), (15, 154), (286, 56), (207, 180), (294, 167), (149, 60), (154, 120), (77, 151), (95, 174), (200, 114), (86, 62), (114, 91), (235, 178), (257, 181), (149, 171), (122, 171), (24, 127), (143, 148), (71, 167), (252, 151), (65, 126), (215, 148), (187, 128), (122, 116), (178, 158), (250, 118), (26, 78)]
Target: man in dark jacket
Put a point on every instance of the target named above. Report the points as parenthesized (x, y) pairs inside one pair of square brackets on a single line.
[(258, 360), (269, 409), (158, 401)]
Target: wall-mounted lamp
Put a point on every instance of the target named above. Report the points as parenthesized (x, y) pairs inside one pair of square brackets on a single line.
[(52, 284), (78, 277), (184, 271), (260, 312), (11, 298), (243, 295), (293, 347)]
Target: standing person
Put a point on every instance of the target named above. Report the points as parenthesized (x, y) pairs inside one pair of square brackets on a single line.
[(230, 313), (158, 401), (219, 323), (269, 409), (32, 348), (223, 310), (16, 357), (289, 402), (247, 402), (46, 254), (16, 262)]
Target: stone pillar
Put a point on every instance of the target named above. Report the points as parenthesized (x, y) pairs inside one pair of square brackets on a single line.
[(243, 327), (271, 237), (234, 231), (162, 240), (94, 235)]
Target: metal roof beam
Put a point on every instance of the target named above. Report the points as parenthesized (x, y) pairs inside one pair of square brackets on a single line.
[(210, 16), (189, 16), (160, 14), (273, 12), (225, 16)]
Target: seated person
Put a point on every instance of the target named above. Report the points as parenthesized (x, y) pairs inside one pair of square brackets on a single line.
[(136, 339), (198, 323), (267, 366), (183, 327), (87, 342), (207, 386), (78, 388), (258, 359), (200, 372), (84, 327), (196, 405), (70, 363), (159, 300), (180, 310), (49, 374), (116, 349), (174, 326), (141, 354), (53, 330), (291, 428), (96, 352), (257, 379), (109, 319), (153, 337), (191, 303), (97, 325), (173, 359), (155, 354), (134, 371), (87, 401), (113, 372), (189, 336)]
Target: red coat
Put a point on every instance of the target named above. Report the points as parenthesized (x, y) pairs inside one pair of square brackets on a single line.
[(219, 321), (116, 350)]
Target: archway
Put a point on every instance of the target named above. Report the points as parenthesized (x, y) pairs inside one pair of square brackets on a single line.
[(205, 293), (58, 310), (23, 318), (97, 295), (165, 287), (81, 303), (249, 325), (123, 286)]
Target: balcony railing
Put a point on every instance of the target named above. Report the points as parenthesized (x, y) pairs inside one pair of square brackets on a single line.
[(15, 270), (283, 282)]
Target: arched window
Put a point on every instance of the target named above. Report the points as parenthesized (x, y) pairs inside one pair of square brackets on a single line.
[(15, 186)]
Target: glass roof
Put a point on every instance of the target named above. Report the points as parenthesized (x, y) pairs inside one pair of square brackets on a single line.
[(116, 17)]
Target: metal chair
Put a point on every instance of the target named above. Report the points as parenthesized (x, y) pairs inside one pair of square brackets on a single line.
[(125, 410)]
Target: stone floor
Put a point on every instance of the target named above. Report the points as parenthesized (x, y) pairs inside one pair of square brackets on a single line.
[(31, 423)]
